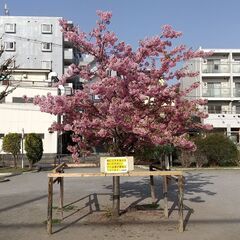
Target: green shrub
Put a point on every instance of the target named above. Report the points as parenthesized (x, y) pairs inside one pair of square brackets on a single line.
[(218, 149), (33, 148), (155, 154), (12, 144)]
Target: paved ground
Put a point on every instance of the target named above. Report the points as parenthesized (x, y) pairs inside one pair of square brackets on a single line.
[(213, 195)]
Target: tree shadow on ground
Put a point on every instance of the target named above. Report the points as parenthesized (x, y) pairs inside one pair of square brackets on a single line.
[(137, 192), (21, 204), (196, 185)]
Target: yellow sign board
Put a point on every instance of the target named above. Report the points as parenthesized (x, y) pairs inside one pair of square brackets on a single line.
[(116, 165)]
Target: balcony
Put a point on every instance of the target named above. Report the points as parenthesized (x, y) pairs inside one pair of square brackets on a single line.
[(216, 68), (236, 92), (236, 67), (68, 55), (215, 111), (216, 92)]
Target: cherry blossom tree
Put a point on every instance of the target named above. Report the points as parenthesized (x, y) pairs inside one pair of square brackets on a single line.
[(136, 106)]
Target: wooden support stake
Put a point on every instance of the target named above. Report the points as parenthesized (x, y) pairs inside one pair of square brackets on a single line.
[(116, 196), (180, 203), (61, 196), (50, 201), (59, 168), (152, 188), (165, 199)]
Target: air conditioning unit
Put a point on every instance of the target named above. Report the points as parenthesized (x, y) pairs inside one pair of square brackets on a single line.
[(52, 77)]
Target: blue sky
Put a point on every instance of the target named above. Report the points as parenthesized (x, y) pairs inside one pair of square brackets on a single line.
[(206, 23)]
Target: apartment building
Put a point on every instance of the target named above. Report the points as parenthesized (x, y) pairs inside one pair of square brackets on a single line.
[(219, 77), (41, 55)]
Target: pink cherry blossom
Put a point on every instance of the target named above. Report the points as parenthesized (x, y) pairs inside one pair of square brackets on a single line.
[(137, 106)]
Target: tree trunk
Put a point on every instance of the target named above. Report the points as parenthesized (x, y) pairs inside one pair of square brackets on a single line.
[(116, 196), (15, 161), (30, 165), (166, 162)]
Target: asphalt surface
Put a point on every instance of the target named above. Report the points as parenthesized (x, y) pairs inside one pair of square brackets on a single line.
[(212, 208)]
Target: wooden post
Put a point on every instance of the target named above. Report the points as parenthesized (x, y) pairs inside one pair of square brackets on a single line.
[(50, 200), (152, 188), (180, 203), (165, 199), (116, 196), (61, 196)]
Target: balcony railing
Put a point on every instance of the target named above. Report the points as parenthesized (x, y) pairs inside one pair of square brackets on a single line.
[(28, 83), (236, 67), (215, 111), (216, 92), (219, 110), (216, 68), (236, 92)]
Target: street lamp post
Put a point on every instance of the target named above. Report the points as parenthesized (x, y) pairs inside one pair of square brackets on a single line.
[(68, 91), (22, 148)]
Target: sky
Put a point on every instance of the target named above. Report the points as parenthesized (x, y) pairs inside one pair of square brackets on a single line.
[(205, 23)]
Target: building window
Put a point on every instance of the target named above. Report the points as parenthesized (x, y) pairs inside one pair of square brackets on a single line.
[(9, 46), (46, 64), (10, 27), (46, 28), (237, 109), (21, 100), (214, 108), (1, 135), (46, 47)]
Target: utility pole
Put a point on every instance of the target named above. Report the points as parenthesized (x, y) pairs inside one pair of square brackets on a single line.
[(6, 10)]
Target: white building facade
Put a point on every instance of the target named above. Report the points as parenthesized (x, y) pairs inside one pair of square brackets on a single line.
[(41, 55), (219, 77), (20, 117)]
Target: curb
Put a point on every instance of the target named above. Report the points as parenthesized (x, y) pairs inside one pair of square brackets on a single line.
[(205, 169), (5, 174), (4, 180)]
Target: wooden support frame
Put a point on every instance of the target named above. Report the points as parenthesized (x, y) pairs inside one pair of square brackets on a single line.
[(165, 198), (59, 168), (116, 196), (152, 187), (61, 196), (58, 175), (130, 174), (50, 201), (180, 203)]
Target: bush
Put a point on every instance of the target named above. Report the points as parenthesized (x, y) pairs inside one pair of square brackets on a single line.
[(33, 148), (218, 149), (186, 158), (12, 144), (153, 153)]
